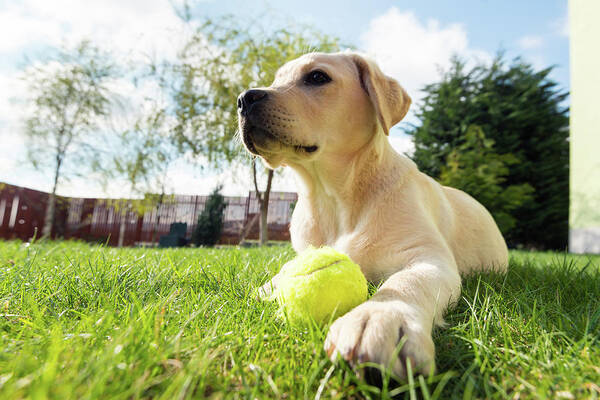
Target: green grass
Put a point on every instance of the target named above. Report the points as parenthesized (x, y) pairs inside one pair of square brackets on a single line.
[(81, 321)]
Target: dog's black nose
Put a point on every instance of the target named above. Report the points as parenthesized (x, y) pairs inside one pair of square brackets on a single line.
[(248, 98)]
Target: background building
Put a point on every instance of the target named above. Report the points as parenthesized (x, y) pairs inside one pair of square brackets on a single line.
[(584, 221)]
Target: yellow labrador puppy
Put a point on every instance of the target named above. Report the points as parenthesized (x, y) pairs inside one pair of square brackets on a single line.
[(327, 117)]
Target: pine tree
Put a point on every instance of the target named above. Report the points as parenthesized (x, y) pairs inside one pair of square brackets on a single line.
[(519, 109), (477, 169), (210, 221)]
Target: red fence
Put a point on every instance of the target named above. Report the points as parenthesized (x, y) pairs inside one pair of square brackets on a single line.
[(22, 215)]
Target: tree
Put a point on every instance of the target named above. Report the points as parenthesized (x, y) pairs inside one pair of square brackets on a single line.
[(220, 61), (210, 221), (519, 109), (143, 157), (476, 168), (68, 97)]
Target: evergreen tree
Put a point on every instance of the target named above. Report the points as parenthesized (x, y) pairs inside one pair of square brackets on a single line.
[(476, 168), (521, 111), (210, 221)]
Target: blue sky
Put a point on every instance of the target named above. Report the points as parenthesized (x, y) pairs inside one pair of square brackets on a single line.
[(490, 25), (411, 40)]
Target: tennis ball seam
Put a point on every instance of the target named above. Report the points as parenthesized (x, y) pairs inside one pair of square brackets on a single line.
[(318, 269), (332, 288)]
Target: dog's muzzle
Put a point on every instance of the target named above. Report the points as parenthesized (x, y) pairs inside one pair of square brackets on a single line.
[(246, 103), (247, 100), (252, 121)]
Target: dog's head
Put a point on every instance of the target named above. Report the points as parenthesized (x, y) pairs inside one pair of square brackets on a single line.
[(319, 104)]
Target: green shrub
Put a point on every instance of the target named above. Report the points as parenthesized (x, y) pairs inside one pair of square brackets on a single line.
[(210, 221), (476, 168), (525, 113)]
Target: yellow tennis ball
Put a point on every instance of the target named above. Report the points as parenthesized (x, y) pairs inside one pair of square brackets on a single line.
[(321, 285)]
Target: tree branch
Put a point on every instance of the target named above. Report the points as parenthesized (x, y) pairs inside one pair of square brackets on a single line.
[(258, 195)]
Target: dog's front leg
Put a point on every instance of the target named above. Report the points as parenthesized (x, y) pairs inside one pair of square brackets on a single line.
[(406, 306)]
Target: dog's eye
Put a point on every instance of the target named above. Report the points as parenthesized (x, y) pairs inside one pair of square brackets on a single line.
[(316, 78)]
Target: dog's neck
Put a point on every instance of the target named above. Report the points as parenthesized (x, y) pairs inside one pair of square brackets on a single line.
[(351, 181)]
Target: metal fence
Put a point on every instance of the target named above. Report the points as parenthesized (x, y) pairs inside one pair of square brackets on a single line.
[(22, 216)]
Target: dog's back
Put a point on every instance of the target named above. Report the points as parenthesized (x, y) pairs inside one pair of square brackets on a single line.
[(476, 241)]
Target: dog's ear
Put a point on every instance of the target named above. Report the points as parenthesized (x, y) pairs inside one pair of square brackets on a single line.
[(390, 100)]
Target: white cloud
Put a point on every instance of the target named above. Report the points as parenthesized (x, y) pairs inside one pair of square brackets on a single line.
[(537, 61), (132, 31), (12, 89), (414, 51), (18, 30), (237, 181), (531, 46), (561, 26), (12, 143), (184, 179), (144, 25), (403, 144), (530, 42), (7, 163), (409, 49)]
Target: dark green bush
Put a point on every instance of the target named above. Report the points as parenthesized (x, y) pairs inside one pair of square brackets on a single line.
[(210, 221), (523, 112)]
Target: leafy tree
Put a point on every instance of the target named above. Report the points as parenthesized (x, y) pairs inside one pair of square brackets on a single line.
[(221, 60), (68, 97), (476, 168), (521, 111), (210, 221), (143, 157)]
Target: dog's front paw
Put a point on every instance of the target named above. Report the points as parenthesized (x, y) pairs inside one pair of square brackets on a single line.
[(373, 331)]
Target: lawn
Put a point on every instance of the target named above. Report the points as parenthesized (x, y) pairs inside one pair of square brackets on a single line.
[(83, 321)]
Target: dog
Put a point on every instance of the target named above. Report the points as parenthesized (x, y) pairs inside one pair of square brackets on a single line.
[(328, 117)]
